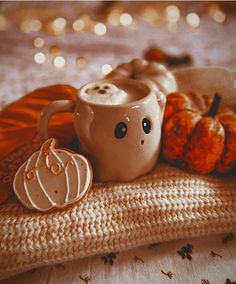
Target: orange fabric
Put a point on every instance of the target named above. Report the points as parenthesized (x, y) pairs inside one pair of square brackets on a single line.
[(18, 130)]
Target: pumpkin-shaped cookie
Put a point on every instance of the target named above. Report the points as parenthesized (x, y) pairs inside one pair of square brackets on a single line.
[(52, 178), (198, 135), (152, 72)]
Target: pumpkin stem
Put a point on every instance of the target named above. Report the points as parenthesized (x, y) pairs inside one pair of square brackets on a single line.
[(214, 106)]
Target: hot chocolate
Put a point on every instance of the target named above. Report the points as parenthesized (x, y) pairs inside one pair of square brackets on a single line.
[(105, 93)]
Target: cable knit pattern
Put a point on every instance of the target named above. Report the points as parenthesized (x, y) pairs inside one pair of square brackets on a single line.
[(167, 204)]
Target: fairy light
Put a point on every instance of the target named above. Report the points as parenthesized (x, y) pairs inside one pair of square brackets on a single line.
[(100, 29), (219, 17), (39, 57), (126, 19), (30, 25), (114, 17), (59, 61), (54, 49), (58, 25), (172, 14), (106, 68), (81, 62), (216, 13), (38, 42), (78, 25), (193, 20), (3, 22), (151, 16)]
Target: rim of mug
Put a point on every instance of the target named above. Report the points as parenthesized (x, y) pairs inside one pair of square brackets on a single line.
[(129, 104)]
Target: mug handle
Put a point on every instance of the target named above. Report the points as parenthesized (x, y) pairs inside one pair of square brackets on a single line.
[(48, 111), (161, 98)]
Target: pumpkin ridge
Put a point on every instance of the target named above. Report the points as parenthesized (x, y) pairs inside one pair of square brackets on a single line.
[(227, 161), (211, 143), (205, 146), (178, 129)]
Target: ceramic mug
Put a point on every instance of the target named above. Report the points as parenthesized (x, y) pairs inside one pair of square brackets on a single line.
[(121, 141)]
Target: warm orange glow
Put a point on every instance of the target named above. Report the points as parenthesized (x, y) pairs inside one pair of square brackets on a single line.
[(81, 62)]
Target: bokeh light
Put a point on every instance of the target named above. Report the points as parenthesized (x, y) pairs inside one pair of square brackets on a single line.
[(30, 25), (151, 16), (39, 57), (38, 42), (126, 19), (172, 13), (219, 17), (78, 25), (3, 22), (100, 29), (59, 61), (216, 13), (193, 20), (54, 49), (106, 69), (58, 25), (114, 17), (81, 62)]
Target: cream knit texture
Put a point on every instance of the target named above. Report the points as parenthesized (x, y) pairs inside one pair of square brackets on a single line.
[(167, 204)]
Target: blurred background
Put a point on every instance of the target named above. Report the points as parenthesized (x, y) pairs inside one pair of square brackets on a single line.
[(43, 43)]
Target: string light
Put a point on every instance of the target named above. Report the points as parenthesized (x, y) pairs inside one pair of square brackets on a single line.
[(151, 16), (58, 25), (54, 49), (126, 19), (172, 14), (219, 17), (30, 25), (78, 25), (114, 17), (193, 20), (106, 68), (216, 13), (81, 62), (59, 61), (3, 22), (38, 42), (39, 57), (100, 29)]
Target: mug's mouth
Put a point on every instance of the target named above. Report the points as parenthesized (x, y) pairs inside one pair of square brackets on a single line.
[(140, 85)]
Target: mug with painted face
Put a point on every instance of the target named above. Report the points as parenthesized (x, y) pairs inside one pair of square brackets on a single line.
[(118, 126)]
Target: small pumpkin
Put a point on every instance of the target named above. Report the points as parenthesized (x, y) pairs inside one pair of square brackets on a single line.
[(151, 72), (52, 178), (198, 134), (158, 55)]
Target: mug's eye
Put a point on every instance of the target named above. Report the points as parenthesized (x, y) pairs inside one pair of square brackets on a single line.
[(120, 130), (146, 124)]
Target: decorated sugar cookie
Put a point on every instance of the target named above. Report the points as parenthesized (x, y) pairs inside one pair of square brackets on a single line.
[(52, 178)]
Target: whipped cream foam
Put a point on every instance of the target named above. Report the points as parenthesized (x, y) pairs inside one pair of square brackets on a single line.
[(104, 93)]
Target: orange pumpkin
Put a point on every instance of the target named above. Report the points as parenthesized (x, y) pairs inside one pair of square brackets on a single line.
[(198, 134)]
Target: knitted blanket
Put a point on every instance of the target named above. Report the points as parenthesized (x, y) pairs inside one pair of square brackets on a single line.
[(165, 205)]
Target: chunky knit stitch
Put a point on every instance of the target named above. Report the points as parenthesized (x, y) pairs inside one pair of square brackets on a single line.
[(167, 204)]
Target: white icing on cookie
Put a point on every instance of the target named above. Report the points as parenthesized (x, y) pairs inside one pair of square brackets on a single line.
[(52, 178)]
